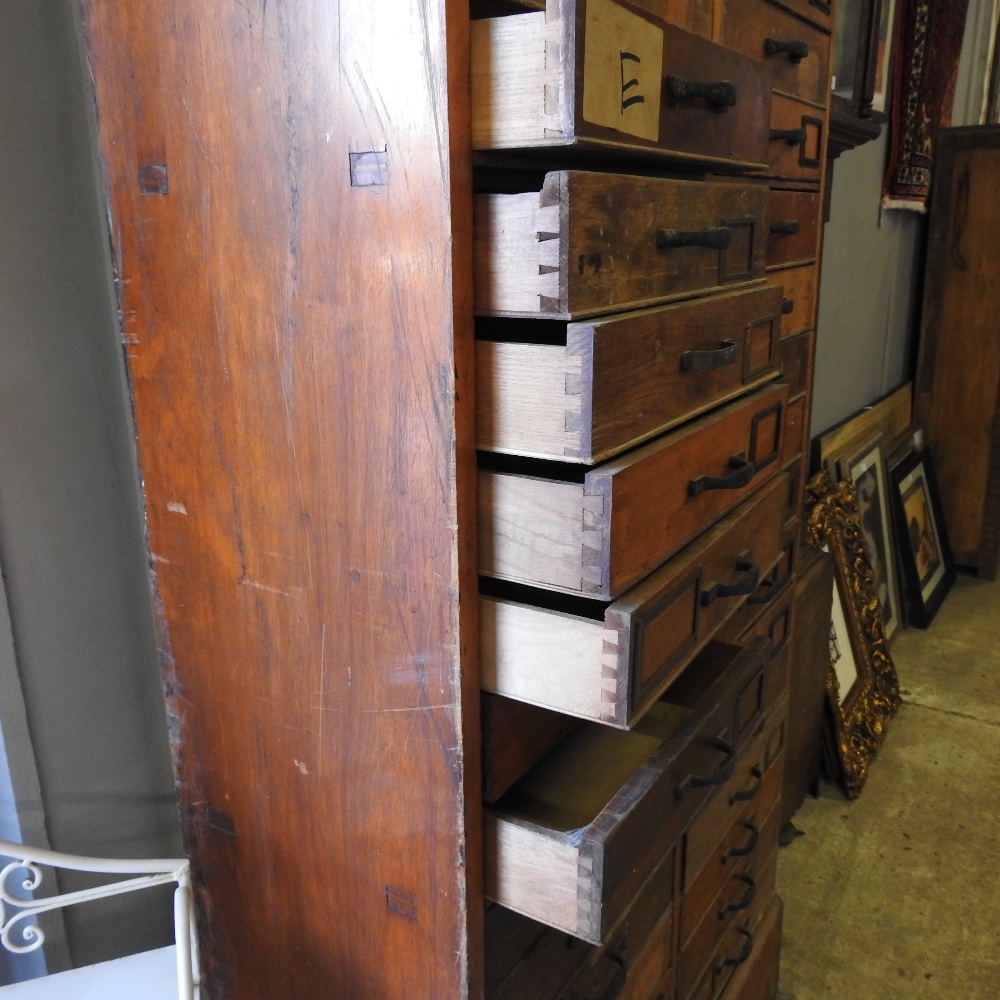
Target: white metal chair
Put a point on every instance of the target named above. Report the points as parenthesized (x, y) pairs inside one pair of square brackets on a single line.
[(167, 972)]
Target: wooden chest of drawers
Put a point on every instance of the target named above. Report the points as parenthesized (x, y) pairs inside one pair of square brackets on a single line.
[(640, 480)]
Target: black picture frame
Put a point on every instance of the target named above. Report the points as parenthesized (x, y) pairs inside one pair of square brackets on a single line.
[(921, 537)]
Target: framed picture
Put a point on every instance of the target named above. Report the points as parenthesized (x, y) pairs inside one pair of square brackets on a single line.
[(925, 556), (888, 418), (862, 687), (867, 469), (883, 55)]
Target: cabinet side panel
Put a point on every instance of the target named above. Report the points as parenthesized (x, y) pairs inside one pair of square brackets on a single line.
[(297, 315)]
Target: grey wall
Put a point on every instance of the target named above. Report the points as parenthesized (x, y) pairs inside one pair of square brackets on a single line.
[(869, 312), (72, 547)]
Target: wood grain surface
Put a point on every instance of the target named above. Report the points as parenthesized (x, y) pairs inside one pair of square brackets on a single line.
[(290, 201)]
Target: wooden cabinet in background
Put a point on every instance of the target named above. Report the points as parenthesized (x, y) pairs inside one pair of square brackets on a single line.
[(957, 392)]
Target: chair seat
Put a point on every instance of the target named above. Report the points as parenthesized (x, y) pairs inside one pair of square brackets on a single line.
[(150, 975)]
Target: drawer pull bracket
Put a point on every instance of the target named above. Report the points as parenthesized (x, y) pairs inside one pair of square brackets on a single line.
[(743, 955), (790, 227), (703, 361), (744, 902), (746, 584), (721, 95), (747, 794), (768, 593), (717, 238), (795, 49), (748, 847), (743, 472), (793, 136), (718, 777)]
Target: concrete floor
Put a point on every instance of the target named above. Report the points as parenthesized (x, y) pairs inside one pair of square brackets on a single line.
[(897, 894)]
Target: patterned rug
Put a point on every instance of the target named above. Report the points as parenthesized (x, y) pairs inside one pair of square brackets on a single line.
[(927, 44)]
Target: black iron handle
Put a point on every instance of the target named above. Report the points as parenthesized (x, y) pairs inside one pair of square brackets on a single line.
[(790, 227), (748, 847), (743, 472), (718, 777), (746, 584), (703, 361), (796, 49), (744, 902), (721, 95), (768, 593), (793, 136), (787, 306), (743, 955), (748, 793), (716, 238)]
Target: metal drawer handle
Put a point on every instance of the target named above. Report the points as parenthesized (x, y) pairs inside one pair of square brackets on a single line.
[(790, 227), (716, 238), (795, 49), (744, 902), (793, 136), (748, 847), (718, 777), (787, 306), (703, 361), (768, 593), (746, 584), (747, 794), (743, 472), (720, 95), (741, 957)]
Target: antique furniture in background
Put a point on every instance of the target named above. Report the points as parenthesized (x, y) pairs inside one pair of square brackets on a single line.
[(957, 393)]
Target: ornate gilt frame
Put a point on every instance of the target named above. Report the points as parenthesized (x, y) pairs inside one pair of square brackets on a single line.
[(863, 713)]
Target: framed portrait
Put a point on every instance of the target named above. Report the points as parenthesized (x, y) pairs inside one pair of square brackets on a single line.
[(883, 55), (867, 468), (862, 687), (921, 537)]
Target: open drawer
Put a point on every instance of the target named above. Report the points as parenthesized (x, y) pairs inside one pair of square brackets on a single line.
[(611, 666), (598, 531), (572, 843)]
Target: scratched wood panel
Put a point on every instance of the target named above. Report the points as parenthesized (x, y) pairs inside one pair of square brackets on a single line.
[(290, 196)]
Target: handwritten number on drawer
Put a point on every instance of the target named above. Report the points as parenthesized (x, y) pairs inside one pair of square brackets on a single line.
[(747, 794), (718, 777)]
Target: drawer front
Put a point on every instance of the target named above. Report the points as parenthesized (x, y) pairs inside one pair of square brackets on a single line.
[(796, 439), (618, 381), (745, 964), (526, 960), (573, 843), (793, 226), (797, 362), (798, 310), (820, 12), (755, 779), (611, 670), (697, 16), (599, 536), (795, 53), (592, 243), (798, 139), (724, 945), (624, 78)]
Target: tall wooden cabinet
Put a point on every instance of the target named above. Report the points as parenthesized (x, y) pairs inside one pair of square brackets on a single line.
[(366, 506)]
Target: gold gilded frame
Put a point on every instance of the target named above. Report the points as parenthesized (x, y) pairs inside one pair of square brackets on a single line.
[(863, 713)]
